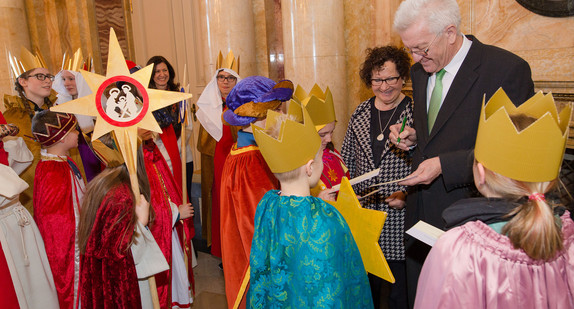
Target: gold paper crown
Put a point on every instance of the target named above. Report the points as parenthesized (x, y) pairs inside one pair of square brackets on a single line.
[(229, 62), (27, 61), (319, 104), (533, 154), (296, 144), (73, 63)]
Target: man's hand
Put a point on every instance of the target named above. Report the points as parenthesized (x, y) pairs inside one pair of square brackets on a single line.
[(408, 136), (185, 211), (396, 200), (427, 171)]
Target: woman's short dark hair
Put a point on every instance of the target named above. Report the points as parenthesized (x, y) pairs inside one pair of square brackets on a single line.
[(171, 85), (377, 56)]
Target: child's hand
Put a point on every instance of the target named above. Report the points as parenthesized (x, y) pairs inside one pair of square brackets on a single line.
[(396, 200), (328, 195), (142, 210), (185, 211)]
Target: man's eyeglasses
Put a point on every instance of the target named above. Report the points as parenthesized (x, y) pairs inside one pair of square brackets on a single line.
[(391, 81), (229, 78), (41, 76), (424, 52)]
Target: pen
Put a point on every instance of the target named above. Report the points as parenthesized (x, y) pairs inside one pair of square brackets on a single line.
[(402, 128)]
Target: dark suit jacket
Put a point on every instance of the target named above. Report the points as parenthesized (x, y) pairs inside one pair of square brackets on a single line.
[(485, 69)]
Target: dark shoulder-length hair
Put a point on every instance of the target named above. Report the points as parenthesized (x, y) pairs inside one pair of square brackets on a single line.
[(377, 56), (171, 85)]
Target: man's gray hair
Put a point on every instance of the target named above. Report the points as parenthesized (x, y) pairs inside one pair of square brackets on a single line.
[(437, 14)]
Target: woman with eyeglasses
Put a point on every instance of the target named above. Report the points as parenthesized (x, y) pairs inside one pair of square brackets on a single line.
[(214, 143), (35, 94), (366, 147)]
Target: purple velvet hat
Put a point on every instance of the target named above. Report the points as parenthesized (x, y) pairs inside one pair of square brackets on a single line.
[(250, 99)]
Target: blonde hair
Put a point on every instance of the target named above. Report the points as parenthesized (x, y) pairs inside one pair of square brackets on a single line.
[(533, 227)]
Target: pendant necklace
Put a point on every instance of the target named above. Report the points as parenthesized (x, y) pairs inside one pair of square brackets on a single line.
[(380, 137)]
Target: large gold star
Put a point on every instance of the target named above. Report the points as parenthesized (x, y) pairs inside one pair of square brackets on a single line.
[(366, 226), (123, 120)]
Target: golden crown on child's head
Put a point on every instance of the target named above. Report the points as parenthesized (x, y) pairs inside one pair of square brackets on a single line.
[(319, 104), (26, 62), (229, 62), (73, 63), (296, 144), (533, 154)]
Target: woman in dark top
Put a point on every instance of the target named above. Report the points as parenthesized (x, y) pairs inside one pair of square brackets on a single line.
[(366, 147)]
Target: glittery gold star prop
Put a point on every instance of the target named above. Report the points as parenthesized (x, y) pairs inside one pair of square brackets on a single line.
[(366, 226), (122, 103)]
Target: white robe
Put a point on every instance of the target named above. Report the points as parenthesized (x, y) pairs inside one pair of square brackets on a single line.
[(21, 241)]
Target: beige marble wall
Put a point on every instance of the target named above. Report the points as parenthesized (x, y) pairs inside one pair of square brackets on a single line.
[(314, 46), (13, 34), (228, 25), (547, 43)]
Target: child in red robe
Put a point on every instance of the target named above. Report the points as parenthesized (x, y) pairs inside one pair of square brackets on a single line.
[(119, 253), (247, 176), (58, 191)]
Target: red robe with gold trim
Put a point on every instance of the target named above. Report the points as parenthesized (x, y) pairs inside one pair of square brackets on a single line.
[(58, 190), (163, 189), (108, 276), (247, 179)]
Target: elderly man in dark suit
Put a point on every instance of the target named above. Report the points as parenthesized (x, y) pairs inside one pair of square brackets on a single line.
[(451, 75)]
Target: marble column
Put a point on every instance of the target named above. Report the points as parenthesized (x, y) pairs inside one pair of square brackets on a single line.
[(14, 33), (224, 26), (314, 47)]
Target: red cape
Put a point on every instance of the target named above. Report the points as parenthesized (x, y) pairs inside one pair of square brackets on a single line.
[(247, 179), (164, 186), (108, 273), (54, 196)]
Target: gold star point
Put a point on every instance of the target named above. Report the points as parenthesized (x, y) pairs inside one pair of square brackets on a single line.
[(133, 112), (366, 226)]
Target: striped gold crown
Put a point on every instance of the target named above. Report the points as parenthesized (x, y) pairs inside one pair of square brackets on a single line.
[(74, 62), (25, 62), (229, 62), (533, 154)]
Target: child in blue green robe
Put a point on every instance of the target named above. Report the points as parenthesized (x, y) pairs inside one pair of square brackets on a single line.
[(303, 254)]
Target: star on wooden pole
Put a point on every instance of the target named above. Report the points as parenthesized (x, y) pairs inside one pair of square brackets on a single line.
[(366, 226), (122, 103)]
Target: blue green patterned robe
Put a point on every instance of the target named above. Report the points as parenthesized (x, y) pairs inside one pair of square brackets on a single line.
[(303, 255)]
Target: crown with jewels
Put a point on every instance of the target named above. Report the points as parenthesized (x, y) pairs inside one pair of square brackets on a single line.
[(57, 130), (229, 62), (295, 145), (533, 154), (319, 104), (27, 61)]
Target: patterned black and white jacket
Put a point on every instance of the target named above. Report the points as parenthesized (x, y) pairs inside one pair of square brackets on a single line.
[(395, 164)]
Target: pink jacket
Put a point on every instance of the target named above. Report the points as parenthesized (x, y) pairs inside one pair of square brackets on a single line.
[(472, 266)]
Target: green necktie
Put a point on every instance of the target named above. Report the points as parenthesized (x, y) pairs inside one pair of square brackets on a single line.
[(434, 104)]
